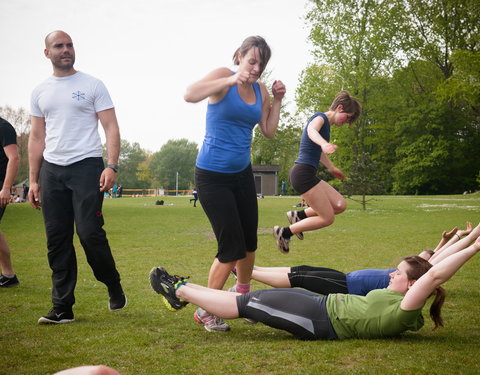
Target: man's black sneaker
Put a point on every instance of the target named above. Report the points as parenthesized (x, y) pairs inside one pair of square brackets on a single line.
[(165, 284), (117, 300), (57, 317), (7, 282)]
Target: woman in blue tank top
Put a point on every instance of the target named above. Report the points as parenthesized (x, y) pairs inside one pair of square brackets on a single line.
[(323, 200), (223, 174)]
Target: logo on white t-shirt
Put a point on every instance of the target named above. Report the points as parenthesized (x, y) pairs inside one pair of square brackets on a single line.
[(78, 95)]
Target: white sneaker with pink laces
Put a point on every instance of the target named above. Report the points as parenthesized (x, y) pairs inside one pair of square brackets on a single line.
[(210, 322)]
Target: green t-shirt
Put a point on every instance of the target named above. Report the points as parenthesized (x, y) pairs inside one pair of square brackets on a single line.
[(376, 315)]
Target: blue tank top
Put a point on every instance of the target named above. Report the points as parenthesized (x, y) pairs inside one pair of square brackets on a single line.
[(361, 282), (228, 136), (310, 152)]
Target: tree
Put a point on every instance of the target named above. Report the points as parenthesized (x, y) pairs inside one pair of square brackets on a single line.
[(281, 150), (20, 120), (414, 66), (131, 158), (175, 156), (143, 173), (355, 49), (363, 180), (433, 29)]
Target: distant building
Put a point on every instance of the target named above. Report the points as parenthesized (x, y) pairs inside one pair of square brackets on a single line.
[(266, 178)]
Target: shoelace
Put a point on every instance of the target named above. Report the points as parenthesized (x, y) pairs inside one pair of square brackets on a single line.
[(213, 320)]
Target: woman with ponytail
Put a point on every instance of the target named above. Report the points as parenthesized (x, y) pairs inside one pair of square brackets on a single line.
[(309, 316)]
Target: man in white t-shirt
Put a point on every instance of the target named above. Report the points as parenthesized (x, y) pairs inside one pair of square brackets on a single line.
[(68, 177)]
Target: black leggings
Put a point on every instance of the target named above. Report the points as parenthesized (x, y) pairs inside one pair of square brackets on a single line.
[(320, 280), (230, 202), (300, 312)]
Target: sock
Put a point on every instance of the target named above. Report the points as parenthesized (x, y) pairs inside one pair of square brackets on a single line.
[(301, 214), (242, 288), (287, 233), (178, 285), (8, 276)]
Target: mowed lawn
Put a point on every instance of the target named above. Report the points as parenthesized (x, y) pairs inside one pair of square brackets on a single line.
[(145, 338)]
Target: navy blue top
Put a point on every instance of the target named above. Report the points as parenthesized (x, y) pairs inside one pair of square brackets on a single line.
[(361, 282), (310, 152)]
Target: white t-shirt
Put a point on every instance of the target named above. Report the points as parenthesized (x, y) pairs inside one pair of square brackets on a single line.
[(69, 106)]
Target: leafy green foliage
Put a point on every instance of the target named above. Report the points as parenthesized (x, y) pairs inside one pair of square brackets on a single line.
[(20, 120), (132, 156), (175, 156), (415, 67)]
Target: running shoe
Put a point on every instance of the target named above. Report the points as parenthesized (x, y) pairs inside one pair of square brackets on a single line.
[(210, 322), (165, 284), (7, 282), (56, 316), (282, 243), (293, 218), (117, 299)]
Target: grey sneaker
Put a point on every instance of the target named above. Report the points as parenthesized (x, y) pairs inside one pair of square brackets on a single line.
[(210, 322), (293, 218), (282, 243)]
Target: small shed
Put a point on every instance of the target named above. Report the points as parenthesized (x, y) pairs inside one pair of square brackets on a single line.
[(266, 178)]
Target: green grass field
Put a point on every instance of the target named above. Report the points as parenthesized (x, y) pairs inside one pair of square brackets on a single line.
[(145, 338)]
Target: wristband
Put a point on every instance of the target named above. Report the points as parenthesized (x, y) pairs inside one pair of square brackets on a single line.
[(113, 166)]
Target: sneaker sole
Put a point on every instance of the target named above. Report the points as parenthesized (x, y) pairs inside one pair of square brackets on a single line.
[(168, 305), (197, 318), (44, 320), (157, 288), (215, 330), (276, 240), (290, 220), (9, 285)]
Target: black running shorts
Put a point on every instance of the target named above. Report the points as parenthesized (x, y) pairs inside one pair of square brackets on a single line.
[(303, 177)]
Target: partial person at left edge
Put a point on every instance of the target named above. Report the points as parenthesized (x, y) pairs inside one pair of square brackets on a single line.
[(9, 161), (68, 176)]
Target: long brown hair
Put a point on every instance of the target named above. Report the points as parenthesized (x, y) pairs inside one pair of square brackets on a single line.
[(263, 50), (418, 267)]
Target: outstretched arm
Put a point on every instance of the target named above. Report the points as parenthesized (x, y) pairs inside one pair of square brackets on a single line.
[(437, 275), (215, 85), (456, 245), (457, 235), (446, 236)]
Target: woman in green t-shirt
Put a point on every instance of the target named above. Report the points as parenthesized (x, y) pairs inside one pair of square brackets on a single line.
[(309, 316)]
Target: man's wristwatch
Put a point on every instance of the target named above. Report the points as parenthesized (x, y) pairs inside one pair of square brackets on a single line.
[(113, 166)]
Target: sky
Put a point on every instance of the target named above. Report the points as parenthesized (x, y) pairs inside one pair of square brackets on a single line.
[(148, 51)]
